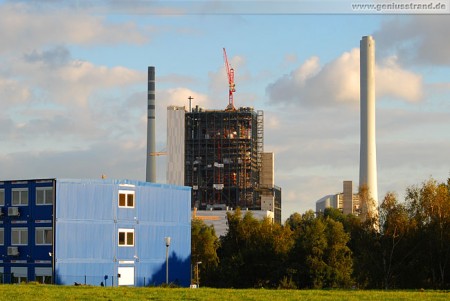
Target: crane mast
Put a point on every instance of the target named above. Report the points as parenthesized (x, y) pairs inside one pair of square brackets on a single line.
[(231, 85)]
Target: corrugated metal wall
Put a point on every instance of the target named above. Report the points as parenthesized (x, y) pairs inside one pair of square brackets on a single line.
[(88, 219)]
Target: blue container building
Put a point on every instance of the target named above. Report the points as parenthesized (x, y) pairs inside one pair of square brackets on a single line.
[(98, 232)]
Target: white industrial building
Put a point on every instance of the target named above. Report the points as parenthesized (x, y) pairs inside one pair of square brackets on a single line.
[(347, 201)]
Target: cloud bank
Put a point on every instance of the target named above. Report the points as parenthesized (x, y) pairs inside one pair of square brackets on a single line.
[(337, 82), (417, 40)]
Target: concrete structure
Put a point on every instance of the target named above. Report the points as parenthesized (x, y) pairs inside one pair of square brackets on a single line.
[(151, 128), (223, 159), (269, 193), (175, 145), (92, 231), (347, 205), (218, 218), (347, 201), (368, 157)]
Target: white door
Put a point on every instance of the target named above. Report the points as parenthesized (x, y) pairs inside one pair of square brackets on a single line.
[(126, 275)]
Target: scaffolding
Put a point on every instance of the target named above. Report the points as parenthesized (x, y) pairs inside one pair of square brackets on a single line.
[(260, 136), (223, 157)]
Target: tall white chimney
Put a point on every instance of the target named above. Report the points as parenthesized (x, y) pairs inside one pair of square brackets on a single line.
[(368, 153), (151, 162)]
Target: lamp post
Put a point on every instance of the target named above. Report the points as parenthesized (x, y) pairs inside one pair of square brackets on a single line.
[(167, 241), (197, 263)]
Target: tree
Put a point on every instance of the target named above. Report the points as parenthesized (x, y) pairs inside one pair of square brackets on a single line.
[(395, 244), (204, 245), (294, 221), (338, 255), (321, 256), (253, 253), (368, 207), (430, 207)]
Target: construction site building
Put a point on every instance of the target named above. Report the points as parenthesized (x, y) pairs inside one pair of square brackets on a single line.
[(223, 159)]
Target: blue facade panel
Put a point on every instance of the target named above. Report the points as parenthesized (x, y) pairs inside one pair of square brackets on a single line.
[(26, 224), (83, 201), (89, 218)]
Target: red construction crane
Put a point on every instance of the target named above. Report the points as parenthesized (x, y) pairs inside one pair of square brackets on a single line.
[(231, 85)]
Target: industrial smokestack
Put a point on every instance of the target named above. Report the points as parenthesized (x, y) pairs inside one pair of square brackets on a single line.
[(368, 153), (151, 162)]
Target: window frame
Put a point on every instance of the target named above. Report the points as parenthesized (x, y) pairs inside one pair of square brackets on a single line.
[(2, 197), (20, 229), (47, 194), (127, 194), (126, 232), (36, 236), (2, 236), (20, 191)]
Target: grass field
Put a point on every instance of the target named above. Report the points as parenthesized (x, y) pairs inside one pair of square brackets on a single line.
[(50, 292)]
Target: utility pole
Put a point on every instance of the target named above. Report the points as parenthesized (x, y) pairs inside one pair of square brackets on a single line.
[(167, 241)]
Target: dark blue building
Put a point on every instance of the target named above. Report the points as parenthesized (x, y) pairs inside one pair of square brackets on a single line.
[(68, 231)]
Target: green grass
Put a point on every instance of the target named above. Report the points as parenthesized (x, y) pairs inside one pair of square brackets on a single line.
[(50, 292)]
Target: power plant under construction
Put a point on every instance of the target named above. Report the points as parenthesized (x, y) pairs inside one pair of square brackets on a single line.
[(224, 157), (220, 154)]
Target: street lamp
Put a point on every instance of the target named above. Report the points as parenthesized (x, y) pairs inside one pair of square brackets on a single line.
[(167, 241), (197, 263)]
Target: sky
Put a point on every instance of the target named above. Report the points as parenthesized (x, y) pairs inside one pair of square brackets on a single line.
[(74, 101)]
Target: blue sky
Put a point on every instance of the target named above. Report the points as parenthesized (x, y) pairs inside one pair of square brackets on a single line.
[(73, 89)]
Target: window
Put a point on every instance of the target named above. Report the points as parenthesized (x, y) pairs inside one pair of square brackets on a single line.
[(19, 236), (44, 196), (19, 274), (126, 237), (44, 279), (43, 275), (2, 236), (20, 196), (126, 198), (44, 236), (2, 197)]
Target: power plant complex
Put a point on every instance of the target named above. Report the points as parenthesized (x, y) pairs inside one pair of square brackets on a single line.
[(118, 232)]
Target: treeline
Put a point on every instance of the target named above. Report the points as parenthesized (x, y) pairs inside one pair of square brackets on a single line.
[(409, 247)]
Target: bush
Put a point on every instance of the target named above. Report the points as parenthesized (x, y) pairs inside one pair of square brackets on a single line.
[(287, 284)]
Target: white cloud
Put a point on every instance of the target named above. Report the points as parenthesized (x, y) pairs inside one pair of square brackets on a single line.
[(174, 97), (46, 93), (338, 82), (75, 103), (29, 28), (179, 96), (393, 81), (61, 79)]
